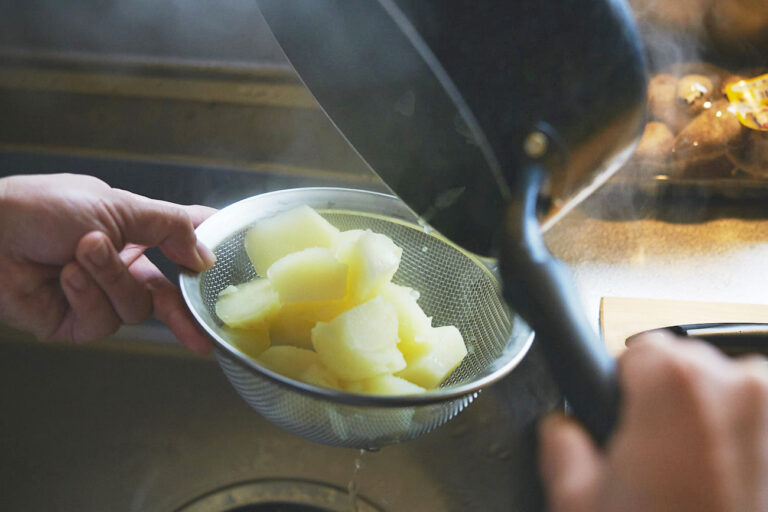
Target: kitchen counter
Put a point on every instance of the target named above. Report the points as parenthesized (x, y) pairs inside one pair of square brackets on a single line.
[(692, 249)]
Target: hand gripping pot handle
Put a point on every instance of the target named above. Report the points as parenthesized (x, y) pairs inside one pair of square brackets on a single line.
[(541, 290)]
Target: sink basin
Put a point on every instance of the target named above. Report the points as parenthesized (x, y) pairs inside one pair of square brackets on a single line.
[(136, 425)]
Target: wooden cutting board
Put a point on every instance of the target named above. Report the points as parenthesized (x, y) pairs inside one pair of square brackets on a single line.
[(621, 317)]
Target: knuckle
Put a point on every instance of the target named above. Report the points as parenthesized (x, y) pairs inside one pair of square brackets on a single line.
[(113, 275), (173, 216), (753, 388), (680, 373)]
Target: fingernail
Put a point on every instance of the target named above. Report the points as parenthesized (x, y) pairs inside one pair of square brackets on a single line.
[(76, 279), (99, 253), (209, 259), (655, 335)]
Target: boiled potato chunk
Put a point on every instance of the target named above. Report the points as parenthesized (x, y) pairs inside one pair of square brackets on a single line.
[(309, 275), (446, 351), (345, 242), (294, 230), (298, 364), (373, 260), (248, 305), (293, 324), (325, 312), (251, 342), (384, 385), (361, 342), (412, 322)]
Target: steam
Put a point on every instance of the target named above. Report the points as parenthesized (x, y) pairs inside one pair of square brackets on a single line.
[(221, 32), (671, 31)]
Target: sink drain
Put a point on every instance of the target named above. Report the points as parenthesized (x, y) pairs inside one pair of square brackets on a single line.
[(278, 496), (278, 507)]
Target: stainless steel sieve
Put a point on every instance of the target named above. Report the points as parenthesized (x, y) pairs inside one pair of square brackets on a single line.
[(457, 288)]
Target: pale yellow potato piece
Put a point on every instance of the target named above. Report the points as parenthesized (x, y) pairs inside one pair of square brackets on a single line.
[(248, 305), (298, 364), (384, 385), (447, 350), (294, 322), (294, 230), (251, 342), (319, 375), (412, 322), (345, 241), (373, 260), (361, 342), (308, 275)]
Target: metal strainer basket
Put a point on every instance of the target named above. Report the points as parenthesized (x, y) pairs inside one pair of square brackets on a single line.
[(456, 288)]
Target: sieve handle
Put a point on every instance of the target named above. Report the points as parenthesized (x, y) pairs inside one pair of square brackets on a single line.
[(541, 290)]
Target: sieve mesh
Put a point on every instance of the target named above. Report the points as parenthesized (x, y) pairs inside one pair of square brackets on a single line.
[(456, 289)]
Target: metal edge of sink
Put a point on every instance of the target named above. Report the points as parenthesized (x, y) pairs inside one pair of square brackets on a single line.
[(136, 423)]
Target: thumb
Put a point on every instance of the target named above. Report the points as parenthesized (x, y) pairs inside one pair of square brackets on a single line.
[(570, 465), (170, 227)]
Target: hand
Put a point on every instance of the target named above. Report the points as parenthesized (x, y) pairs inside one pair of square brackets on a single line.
[(72, 264), (692, 437)]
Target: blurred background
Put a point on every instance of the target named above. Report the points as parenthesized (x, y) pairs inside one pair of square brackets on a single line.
[(183, 99)]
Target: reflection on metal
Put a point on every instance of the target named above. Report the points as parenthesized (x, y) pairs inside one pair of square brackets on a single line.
[(247, 118), (265, 495), (264, 167), (237, 92), (536, 145)]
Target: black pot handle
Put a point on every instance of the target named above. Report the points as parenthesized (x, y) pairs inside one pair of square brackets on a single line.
[(540, 289)]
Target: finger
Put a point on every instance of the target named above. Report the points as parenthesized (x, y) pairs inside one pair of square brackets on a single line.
[(754, 362), (570, 465), (198, 213), (130, 253), (90, 315), (129, 298), (670, 360), (170, 308), (165, 225)]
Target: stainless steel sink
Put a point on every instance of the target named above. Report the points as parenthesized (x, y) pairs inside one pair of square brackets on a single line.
[(136, 423), (132, 425)]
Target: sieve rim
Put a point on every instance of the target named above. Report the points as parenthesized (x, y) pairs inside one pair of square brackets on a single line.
[(392, 207)]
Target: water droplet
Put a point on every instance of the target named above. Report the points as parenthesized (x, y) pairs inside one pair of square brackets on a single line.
[(424, 249), (353, 485)]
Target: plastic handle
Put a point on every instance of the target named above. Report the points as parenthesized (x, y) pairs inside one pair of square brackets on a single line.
[(541, 290)]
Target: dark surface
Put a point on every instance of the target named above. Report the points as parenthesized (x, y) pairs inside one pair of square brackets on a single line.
[(277, 507), (225, 31), (135, 430), (131, 429)]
